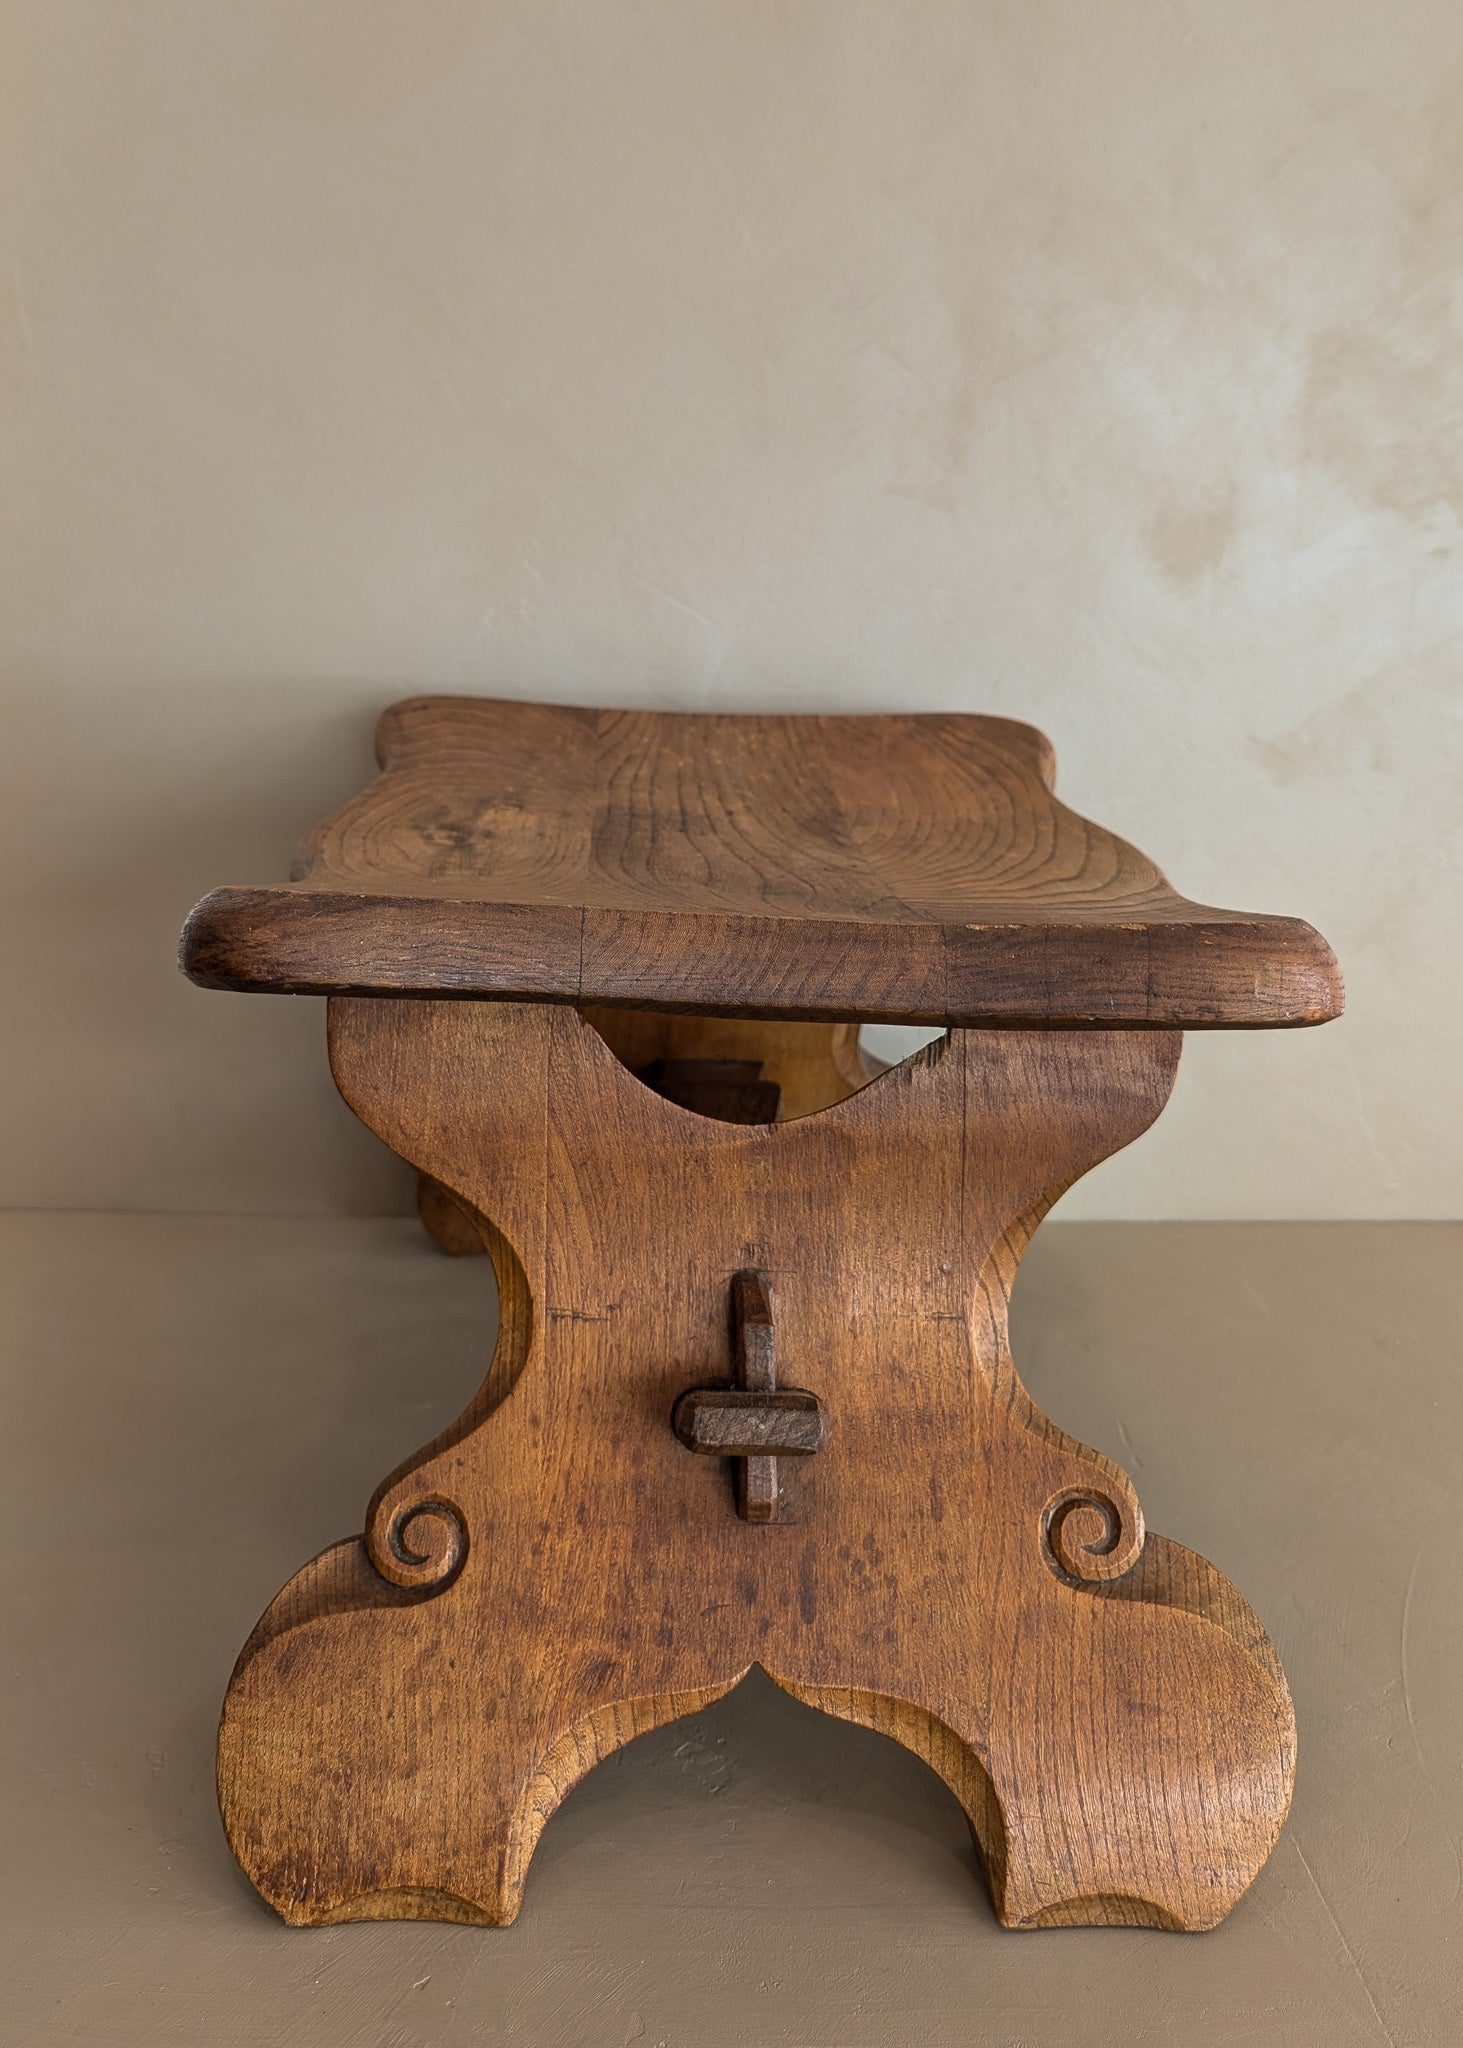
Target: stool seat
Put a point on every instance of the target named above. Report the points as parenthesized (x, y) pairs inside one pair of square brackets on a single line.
[(897, 869)]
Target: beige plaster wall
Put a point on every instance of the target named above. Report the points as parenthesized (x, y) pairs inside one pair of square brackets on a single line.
[(1097, 364)]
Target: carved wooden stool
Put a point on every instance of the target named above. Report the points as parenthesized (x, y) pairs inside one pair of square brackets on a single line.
[(752, 1399)]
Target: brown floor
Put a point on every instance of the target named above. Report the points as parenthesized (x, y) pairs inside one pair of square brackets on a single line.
[(195, 1405)]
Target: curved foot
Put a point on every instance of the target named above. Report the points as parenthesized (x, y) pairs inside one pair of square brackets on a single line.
[(1135, 1771), (367, 1772)]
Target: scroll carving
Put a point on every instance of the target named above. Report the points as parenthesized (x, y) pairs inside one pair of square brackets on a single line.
[(1092, 1536), (417, 1542)]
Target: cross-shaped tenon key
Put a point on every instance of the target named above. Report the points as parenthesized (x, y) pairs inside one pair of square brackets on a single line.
[(754, 1420)]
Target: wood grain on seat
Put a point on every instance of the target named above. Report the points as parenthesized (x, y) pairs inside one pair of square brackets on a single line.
[(899, 869)]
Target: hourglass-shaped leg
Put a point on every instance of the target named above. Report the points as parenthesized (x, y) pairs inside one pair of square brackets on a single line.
[(561, 1570)]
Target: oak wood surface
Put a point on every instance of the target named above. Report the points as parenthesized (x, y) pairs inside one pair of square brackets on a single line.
[(556, 1573), (897, 868), (804, 1066)]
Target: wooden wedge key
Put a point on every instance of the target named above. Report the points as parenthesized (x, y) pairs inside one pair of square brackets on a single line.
[(598, 977), (754, 1421)]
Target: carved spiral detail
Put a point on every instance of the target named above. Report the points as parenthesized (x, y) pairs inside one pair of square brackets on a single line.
[(418, 1543), (1092, 1536)]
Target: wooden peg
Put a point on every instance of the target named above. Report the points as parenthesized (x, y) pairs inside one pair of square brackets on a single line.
[(754, 1421)]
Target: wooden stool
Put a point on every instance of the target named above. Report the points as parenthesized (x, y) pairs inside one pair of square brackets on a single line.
[(752, 1399)]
